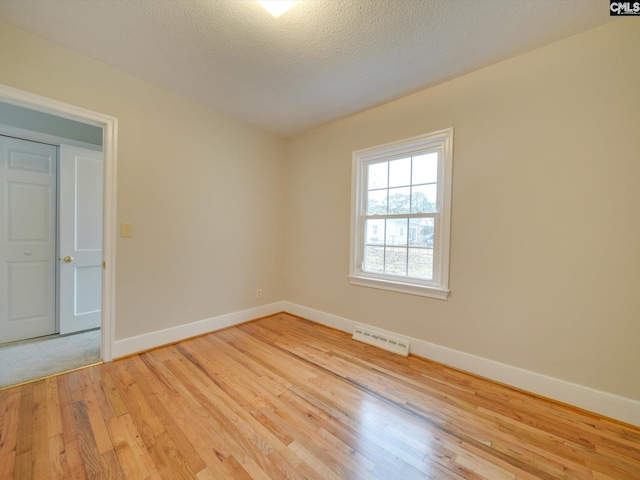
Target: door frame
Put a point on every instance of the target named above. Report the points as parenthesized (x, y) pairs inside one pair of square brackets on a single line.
[(109, 127)]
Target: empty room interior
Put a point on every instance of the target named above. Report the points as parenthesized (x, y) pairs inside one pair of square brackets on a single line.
[(359, 239)]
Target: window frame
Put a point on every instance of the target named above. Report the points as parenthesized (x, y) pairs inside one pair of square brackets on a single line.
[(438, 287)]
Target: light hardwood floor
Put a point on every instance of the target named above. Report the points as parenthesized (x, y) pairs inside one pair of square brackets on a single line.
[(283, 397)]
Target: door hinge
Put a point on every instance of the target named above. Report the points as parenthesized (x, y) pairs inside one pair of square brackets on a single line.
[(104, 265)]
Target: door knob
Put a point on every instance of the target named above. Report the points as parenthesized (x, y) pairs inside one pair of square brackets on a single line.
[(67, 259)]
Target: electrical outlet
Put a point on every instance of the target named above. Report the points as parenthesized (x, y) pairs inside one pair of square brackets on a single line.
[(259, 293)]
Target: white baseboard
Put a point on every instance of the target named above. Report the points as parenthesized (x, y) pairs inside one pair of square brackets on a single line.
[(139, 343), (613, 406)]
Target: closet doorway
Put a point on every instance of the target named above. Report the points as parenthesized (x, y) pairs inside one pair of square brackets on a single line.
[(57, 268)]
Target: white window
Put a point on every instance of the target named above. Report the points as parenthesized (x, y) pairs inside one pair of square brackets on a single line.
[(401, 215)]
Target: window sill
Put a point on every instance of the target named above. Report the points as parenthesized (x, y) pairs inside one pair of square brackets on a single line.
[(411, 289)]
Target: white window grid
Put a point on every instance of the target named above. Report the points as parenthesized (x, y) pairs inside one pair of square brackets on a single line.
[(437, 287)]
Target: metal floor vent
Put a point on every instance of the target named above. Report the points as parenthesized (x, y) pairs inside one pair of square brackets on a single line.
[(381, 339)]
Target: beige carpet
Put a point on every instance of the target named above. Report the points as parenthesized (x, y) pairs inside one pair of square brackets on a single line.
[(32, 359)]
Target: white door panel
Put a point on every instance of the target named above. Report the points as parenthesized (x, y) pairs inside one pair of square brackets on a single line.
[(81, 173), (27, 239), (25, 279)]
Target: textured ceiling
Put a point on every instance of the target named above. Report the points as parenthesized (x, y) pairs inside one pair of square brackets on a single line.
[(322, 60)]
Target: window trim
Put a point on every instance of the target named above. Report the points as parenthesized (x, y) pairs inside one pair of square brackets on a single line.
[(439, 287)]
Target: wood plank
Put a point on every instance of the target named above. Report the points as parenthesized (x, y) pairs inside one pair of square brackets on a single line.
[(89, 453), (58, 465), (69, 430), (25, 435), (54, 418), (9, 421), (40, 431)]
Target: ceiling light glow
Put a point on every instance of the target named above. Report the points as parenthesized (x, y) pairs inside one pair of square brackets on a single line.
[(277, 7)]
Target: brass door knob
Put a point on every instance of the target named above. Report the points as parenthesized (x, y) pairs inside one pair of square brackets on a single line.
[(67, 259)]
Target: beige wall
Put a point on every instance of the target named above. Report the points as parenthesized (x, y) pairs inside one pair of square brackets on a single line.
[(204, 192), (545, 251)]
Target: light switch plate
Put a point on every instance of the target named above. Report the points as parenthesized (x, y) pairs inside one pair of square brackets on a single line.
[(126, 230)]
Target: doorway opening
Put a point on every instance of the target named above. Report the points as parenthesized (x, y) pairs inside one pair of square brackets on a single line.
[(99, 202)]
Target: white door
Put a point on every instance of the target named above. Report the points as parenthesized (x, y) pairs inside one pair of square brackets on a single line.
[(80, 249), (27, 239)]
